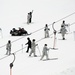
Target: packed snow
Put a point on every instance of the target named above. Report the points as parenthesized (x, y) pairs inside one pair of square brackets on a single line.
[(13, 14)]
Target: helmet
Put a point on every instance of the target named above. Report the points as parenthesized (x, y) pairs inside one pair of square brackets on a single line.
[(33, 39), (45, 44)]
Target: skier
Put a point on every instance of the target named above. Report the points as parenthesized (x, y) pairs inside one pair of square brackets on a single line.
[(45, 52), (66, 26), (46, 31), (33, 46), (29, 44), (63, 32), (8, 48), (63, 24)]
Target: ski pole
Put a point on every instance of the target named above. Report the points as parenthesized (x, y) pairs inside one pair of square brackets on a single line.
[(48, 50), (39, 50)]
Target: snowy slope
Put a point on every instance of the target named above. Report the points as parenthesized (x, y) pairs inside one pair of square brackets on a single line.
[(14, 14), (68, 71)]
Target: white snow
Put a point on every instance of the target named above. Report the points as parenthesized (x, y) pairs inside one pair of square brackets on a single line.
[(13, 13)]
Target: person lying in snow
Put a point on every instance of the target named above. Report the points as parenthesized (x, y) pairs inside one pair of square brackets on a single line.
[(19, 32)]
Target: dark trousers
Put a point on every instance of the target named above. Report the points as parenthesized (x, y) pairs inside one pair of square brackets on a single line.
[(28, 48), (30, 20)]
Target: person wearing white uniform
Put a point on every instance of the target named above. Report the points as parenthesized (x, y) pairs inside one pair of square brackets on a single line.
[(67, 26), (28, 18), (33, 48), (46, 31), (8, 48), (63, 24), (63, 32), (45, 52)]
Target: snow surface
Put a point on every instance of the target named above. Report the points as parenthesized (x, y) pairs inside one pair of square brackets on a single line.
[(13, 13)]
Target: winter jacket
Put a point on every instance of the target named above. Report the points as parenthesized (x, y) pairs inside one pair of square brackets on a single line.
[(8, 46), (45, 49), (46, 29), (29, 43), (63, 30), (33, 46)]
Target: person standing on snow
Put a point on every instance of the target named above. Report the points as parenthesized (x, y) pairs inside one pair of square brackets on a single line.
[(29, 44), (45, 52), (33, 46), (63, 32), (46, 31), (67, 26), (28, 18), (63, 24), (8, 48)]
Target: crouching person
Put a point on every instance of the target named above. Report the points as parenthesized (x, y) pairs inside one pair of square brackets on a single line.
[(45, 52), (33, 48)]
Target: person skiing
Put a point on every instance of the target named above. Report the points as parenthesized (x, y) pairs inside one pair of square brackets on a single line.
[(67, 26), (63, 32), (46, 31), (8, 48), (45, 52), (63, 24), (29, 44), (33, 46)]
